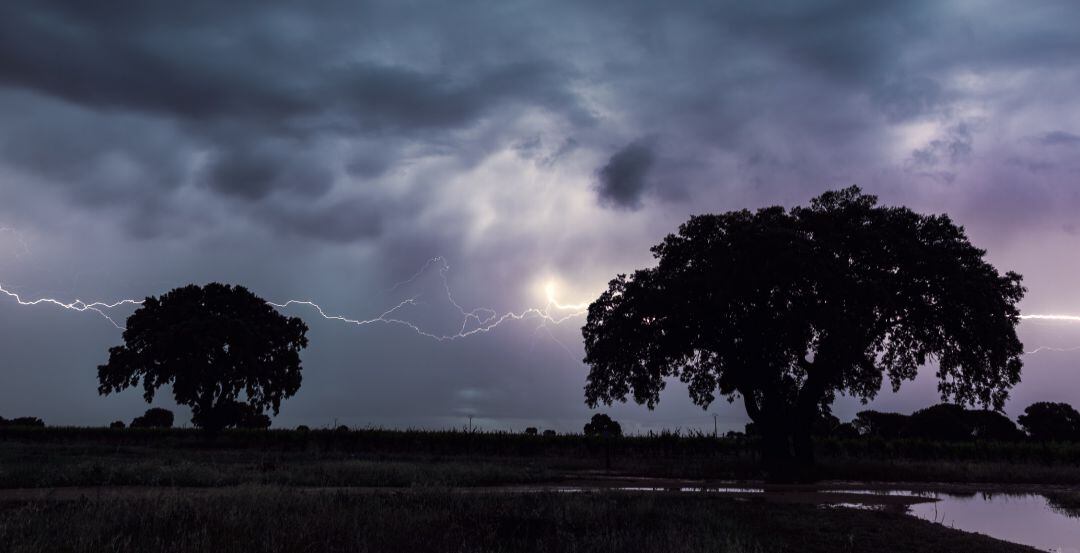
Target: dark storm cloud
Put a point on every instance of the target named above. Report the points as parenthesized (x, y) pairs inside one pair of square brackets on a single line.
[(1059, 138), (624, 179), (203, 65), (903, 99), (249, 91), (340, 221), (253, 173)]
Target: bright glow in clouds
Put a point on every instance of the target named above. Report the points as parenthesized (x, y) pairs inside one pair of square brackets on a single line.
[(551, 294)]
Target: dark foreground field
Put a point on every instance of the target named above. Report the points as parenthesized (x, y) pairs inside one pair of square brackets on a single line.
[(50, 457), (287, 520), (376, 490)]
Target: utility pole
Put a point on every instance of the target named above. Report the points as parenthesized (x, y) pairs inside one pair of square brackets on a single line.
[(470, 423), (715, 434)]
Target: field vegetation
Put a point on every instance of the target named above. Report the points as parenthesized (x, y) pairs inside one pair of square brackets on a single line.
[(48, 457), (284, 520)]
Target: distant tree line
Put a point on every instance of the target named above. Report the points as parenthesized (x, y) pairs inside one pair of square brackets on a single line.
[(1042, 421), (21, 422), (239, 415)]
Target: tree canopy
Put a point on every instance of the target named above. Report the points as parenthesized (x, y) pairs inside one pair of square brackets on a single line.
[(1047, 421), (602, 425), (217, 346), (786, 308)]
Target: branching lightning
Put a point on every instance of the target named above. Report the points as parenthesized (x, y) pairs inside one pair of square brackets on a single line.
[(483, 319), (78, 305)]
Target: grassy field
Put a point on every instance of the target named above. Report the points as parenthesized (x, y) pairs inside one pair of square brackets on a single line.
[(52, 457), (275, 519), (434, 492)]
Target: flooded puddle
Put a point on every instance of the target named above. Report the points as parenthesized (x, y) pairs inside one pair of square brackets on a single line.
[(1024, 519), (1027, 519)]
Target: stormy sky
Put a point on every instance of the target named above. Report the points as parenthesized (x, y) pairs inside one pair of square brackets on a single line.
[(326, 151)]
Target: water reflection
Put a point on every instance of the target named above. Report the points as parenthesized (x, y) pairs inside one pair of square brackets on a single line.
[(1025, 519)]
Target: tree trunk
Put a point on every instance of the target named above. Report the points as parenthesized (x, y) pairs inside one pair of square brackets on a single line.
[(802, 434), (787, 448), (807, 411), (776, 458), (804, 451)]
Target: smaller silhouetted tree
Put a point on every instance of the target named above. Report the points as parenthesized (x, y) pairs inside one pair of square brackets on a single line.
[(531, 431), (1046, 421), (155, 417), (117, 425), (214, 346), (945, 422), (602, 425), (549, 432), (991, 425)]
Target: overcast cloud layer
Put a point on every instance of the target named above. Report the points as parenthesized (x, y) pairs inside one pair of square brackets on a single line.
[(327, 151)]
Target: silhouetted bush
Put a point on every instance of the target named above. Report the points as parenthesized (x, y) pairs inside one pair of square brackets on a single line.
[(155, 417), (303, 428), (602, 425), (531, 431), (117, 424), (22, 422), (549, 432), (246, 416), (882, 425)]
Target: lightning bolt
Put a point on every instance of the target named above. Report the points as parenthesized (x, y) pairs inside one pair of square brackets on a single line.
[(1052, 317), (484, 319), (77, 305)]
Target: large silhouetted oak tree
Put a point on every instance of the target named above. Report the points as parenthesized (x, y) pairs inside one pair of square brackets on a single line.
[(786, 308), (215, 345)]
